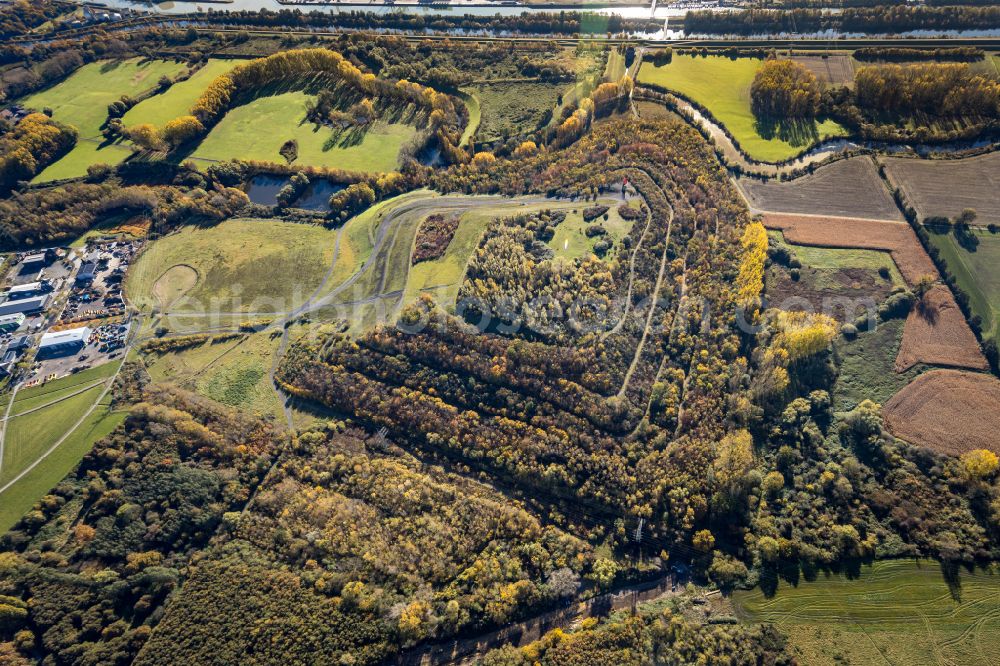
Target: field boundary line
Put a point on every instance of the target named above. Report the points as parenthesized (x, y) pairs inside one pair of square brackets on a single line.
[(3, 424), (86, 388), (109, 383), (760, 211)]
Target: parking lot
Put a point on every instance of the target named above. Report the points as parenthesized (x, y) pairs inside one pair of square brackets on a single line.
[(84, 289)]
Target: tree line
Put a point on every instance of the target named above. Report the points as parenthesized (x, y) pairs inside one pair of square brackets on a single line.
[(882, 19)]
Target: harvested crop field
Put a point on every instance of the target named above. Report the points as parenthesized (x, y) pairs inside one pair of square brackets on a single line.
[(846, 188), (834, 70), (936, 333), (949, 411), (895, 237), (947, 187)]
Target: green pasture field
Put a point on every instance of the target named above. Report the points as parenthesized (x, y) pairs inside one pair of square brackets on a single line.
[(178, 98), (902, 612), (722, 85), (867, 369), (977, 272), (513, 109), (20, 497), (29, 436), (85, 153), (82, 98), (238, 265), (258, 129)]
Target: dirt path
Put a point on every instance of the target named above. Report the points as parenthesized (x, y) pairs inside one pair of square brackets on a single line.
[(652, 305), (631, 275)]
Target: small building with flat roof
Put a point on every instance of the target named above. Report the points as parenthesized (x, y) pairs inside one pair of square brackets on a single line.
[(61, 343), (87, 273), (11, 322), (20, 343)]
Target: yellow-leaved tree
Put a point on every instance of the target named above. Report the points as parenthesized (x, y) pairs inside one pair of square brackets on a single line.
[(750, 281)]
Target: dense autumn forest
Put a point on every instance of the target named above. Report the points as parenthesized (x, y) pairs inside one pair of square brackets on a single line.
[(571, 428)]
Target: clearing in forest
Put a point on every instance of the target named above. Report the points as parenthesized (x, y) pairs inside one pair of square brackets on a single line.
[(974, 260), (241, 265), (232, 370), (947, 187), (258, 129), (949, 411), (513, 109), (831, 70), (722, 85), (889, 612), (845, 188)]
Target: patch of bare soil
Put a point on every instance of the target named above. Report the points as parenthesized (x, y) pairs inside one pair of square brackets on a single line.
[(936, 333), (826, 290), (895, 237), (949, 411)]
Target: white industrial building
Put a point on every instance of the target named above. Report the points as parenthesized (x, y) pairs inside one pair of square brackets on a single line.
[(60, 343)]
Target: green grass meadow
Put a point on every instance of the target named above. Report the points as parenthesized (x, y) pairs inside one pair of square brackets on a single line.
[(82, 99), (40, 416), (722, 85), (570, 240), (178, 98), (902, 612), (235, 372), (241, 265), (977, 272), (258, 129), (85, 153)]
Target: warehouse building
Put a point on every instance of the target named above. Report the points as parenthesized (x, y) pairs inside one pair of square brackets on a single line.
[(27, 306), (28, 290), (61, 343)]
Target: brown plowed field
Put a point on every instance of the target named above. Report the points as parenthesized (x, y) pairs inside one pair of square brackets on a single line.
[(845, 188), (834, 70), (936, 333), (948, 411), (895, 237), (946, 187)]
